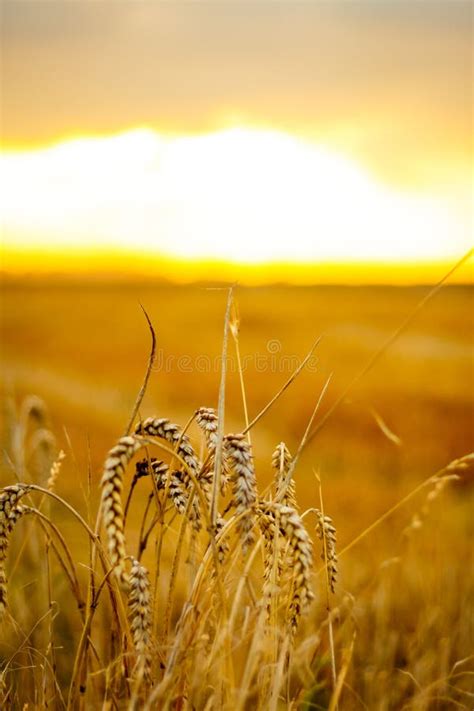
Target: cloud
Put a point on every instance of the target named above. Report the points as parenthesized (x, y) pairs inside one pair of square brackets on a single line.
[(389, 82)]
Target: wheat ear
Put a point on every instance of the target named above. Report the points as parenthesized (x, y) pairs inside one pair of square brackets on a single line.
[(326, 532), (170, 432), (206, 418), (112, 484), (462, 467), (54, 471), (244, 490), (272, 549), (222, 545), (281, 463), (160, 471), (10, 512), (139, 605), (300, 552)]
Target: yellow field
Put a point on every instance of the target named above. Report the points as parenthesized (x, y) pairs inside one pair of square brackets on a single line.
[(406, 595)]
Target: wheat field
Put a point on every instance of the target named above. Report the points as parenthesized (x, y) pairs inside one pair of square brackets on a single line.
[(263, 537)]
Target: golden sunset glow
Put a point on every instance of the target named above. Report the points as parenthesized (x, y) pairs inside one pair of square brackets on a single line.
[(134, 142), (243, 196)]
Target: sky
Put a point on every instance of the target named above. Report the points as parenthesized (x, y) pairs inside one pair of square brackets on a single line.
[(236, 137)]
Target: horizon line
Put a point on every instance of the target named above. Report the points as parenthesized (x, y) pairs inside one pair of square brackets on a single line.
[(129, 266)]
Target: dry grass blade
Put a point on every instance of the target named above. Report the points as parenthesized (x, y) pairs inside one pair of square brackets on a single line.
[(386, 345), (142, 391), (283, 388), (234, 326), (293, 463), (384, 428), (342, 675), (463, 464), (327, 534), (220, 416)]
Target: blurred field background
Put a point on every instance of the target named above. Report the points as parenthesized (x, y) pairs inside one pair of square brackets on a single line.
[(83, 349)]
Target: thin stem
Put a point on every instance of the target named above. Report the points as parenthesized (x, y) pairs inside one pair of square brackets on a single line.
[(294, 461), (216, 485), (390, 340), (143, 388), (283, 388), (328, 603)]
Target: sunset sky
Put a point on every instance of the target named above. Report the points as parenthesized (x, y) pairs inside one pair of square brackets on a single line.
[(237, 139)]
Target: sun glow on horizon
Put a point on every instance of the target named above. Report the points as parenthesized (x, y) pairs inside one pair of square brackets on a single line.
[(239, 195)]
